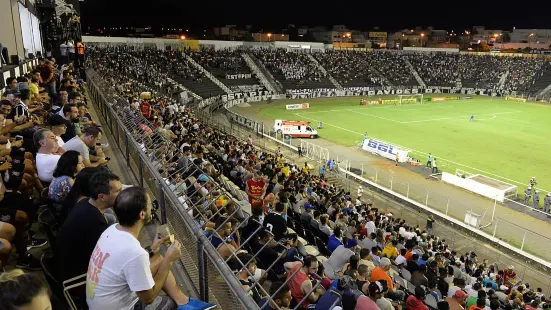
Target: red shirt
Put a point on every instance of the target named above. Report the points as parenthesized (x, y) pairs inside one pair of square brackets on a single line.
[(413, 303), (295, 282), (145, 108), (256, 188)]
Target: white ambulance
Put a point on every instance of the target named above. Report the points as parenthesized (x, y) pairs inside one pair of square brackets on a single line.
[(295, 129)]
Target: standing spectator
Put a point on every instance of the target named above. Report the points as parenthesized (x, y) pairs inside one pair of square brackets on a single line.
[(536, 199), (123, 275), (256, 188), (434, 166), (430, 222), (547, 202)]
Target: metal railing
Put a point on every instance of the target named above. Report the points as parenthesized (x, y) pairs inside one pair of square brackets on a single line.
[(210, 277)]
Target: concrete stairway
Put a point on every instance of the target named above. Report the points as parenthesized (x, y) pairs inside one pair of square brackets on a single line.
[(415, 73), (209, 75), (322, 69), (270, 78), (258, 72)]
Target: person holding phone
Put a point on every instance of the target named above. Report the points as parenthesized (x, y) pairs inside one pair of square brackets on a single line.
[(123, 275)]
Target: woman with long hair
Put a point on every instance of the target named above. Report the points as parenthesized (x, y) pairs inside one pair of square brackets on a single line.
[(68, 165)]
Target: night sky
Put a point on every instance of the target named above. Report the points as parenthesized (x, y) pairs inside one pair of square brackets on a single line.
[(271, 16)]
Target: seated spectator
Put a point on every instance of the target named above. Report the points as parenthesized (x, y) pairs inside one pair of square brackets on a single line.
[(83, 143), (300, 283), (334, 265), (418, 277), (335, 240), (457, 300), (375, 292), (68, 165), (123, 275), (7, 235), (246, 275), (84, 225), (58, 126), (380, 273), (19, 290), (47, 156), (280, 297), (415, 302)]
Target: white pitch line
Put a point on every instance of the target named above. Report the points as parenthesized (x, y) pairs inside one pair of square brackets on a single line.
[(455, 117), (423, 153), (375, 116)]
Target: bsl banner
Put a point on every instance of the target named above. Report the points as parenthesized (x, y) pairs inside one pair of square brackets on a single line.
[(385, 149)]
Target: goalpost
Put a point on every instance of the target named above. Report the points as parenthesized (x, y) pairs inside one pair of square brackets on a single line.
[(414, 98)]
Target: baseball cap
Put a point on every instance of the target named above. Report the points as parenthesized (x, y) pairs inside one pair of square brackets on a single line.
[(459, 294), (56, 120), (308, 206), (377, 287)]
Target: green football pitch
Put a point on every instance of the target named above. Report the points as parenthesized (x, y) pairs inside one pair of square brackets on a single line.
[(508, 140)]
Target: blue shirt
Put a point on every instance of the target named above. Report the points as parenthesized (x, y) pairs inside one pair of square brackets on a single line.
[(327, 300), (333, 243), (488, 280)]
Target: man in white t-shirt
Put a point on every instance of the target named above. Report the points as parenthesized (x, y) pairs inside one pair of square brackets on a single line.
[(123, 275), (46, 157)]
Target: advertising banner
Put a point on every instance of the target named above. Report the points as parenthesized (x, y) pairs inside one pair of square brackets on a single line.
[(386, 150), (297, 106), (238, 76), (374, 34), (371, 91), (515, 99), (438, 99)]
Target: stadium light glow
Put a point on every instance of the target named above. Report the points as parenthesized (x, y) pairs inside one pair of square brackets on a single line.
[(422, 34), (182, 37)]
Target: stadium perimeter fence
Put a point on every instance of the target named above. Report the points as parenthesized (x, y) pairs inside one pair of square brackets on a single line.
[(522, 238), (201, 270)]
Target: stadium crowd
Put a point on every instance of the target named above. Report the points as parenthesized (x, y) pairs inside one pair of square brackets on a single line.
[(349, 68), (292, 65), (55, 172), (436, 69), (229, 60), (314, 244), (369, 257)]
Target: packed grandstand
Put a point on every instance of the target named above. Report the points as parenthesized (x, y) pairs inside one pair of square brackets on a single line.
[(291, 238)]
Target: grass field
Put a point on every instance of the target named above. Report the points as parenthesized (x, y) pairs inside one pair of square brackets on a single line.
[(508, 140)]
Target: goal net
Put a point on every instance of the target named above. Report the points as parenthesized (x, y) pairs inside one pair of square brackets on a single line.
[(416, 98)]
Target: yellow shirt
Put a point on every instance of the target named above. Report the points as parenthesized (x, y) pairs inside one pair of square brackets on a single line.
[(305, 169), (390, 251), (286, 171), (34, 90), (280, 161)]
